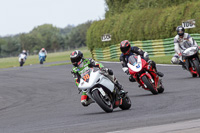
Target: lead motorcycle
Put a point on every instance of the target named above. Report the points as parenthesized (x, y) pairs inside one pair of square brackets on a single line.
[(145, 75), (190, 57), (22, 59), (102, 90)]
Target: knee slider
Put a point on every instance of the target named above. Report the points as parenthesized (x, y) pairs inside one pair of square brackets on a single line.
[(174, 60)]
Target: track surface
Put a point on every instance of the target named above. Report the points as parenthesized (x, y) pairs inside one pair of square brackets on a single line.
[(38, 99)]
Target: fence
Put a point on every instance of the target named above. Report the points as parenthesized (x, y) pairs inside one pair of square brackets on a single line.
[(155, 48)]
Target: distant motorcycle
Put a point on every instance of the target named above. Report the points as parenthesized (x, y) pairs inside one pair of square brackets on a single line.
[(143, 73), (22, 59), (102, 90), (41, 57), (191, 59)]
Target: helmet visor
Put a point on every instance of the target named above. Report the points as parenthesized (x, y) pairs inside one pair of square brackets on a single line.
[(125, 49), (180, 33), (75, 61)]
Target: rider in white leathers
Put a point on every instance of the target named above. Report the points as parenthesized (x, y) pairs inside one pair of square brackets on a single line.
[(178, 45)]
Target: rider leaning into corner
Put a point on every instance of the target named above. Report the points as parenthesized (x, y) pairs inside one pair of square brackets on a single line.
[(179, 39), (25, 53), (127, 51), (80, 64), (43, 50)]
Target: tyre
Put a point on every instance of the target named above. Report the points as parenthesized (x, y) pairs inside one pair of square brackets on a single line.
[(196, 65), (104, 103), (41, 61), (126, 103), (194, 75), (149, 85), (161, 88), (21, 63)]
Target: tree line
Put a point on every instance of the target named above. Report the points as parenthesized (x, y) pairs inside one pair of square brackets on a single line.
[(45, 36)]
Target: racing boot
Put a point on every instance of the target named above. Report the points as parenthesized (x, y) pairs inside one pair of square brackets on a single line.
[(153, 64), (85, 100), (160, 74), (122, 93)]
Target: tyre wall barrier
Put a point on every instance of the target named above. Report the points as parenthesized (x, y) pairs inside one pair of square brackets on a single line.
[(155, 48)]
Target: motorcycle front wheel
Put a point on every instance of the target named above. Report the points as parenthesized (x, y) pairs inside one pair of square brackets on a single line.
[(21, 63), (149, 85), (41, 61), (103, 102)]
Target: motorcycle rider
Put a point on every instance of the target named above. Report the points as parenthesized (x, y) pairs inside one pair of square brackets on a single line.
[(127, 51), (179, 40), (43, 51), (24, 52), (79, 63)]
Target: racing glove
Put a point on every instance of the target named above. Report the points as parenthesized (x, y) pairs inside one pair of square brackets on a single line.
[(125, 69)]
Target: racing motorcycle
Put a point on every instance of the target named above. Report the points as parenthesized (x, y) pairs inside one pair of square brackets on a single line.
[(22, 59), (191, 59), (41, 57), (101, 89), (144, 74)]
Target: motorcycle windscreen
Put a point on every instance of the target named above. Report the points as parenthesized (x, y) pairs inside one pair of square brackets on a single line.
[(86, 75), (186, 44), (132, 60)]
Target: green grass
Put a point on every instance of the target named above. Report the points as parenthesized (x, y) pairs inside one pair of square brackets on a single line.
[(162, 59), (34, 59), (158, 60), (64, 56)]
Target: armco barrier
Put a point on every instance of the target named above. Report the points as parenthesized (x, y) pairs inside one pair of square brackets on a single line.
[(155, 48)]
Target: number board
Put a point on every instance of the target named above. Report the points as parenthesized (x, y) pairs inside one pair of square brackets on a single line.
[(189, 24), (106, 37)]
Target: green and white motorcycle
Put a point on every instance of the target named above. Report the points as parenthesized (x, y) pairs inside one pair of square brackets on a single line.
[(102, 90)]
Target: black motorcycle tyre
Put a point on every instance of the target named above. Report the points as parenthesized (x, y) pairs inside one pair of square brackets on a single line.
[(98, 98), (149, 85), (21, 63), (126, 103)]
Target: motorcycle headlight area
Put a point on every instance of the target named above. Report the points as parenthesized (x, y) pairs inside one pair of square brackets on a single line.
[(191, 52)]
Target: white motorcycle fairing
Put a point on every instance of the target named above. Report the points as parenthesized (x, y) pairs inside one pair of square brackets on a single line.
[(138, 66), (190, 51), (96, 78), (22, 56)]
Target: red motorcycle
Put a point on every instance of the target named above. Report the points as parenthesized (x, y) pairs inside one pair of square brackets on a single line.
[(145, 75)]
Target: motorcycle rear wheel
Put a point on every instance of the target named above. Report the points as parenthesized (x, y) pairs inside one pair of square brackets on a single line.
[(126, 103), (196, 64), (149, 85), (104, 103)]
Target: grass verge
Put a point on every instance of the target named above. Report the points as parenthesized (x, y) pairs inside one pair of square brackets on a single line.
[(158, 60), (34, 59), (64, 56)]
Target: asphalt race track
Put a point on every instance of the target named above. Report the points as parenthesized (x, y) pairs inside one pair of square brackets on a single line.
[(39, 99)]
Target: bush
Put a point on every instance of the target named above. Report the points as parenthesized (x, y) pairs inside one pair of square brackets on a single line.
[(146, 24)]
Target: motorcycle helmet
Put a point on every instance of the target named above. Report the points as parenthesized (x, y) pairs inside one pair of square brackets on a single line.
[(43, 49), (24, 51), (125, 47), (76, 57), (180, 30)]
